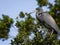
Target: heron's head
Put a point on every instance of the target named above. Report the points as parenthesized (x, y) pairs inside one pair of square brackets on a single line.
[(39, 10)]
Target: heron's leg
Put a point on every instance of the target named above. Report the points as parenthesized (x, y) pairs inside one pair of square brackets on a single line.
[(52, 32)]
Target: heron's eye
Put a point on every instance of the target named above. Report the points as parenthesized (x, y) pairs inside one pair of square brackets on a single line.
[(39, 14)]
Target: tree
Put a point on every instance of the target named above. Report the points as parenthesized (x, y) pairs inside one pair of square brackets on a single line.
[(29, 25)]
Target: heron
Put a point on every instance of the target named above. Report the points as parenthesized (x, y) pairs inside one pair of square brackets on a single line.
[(47, 20)]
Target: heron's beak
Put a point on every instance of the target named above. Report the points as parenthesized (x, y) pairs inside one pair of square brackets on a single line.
[(32, 12)]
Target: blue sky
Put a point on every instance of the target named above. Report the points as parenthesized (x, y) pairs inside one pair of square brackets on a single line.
[(12, 8)]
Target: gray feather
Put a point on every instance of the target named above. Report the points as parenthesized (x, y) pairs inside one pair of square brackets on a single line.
[(50, 21)]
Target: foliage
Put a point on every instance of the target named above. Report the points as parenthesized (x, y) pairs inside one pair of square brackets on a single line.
[(42, 2), (5, 24), (21, 14)]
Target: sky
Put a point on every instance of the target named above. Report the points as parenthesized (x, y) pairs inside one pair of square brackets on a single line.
[(12, 9)]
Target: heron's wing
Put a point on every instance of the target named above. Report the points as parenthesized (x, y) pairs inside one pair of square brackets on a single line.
[(50, 21)]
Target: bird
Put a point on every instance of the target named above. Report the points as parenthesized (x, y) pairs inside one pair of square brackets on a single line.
[(47, 20)]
